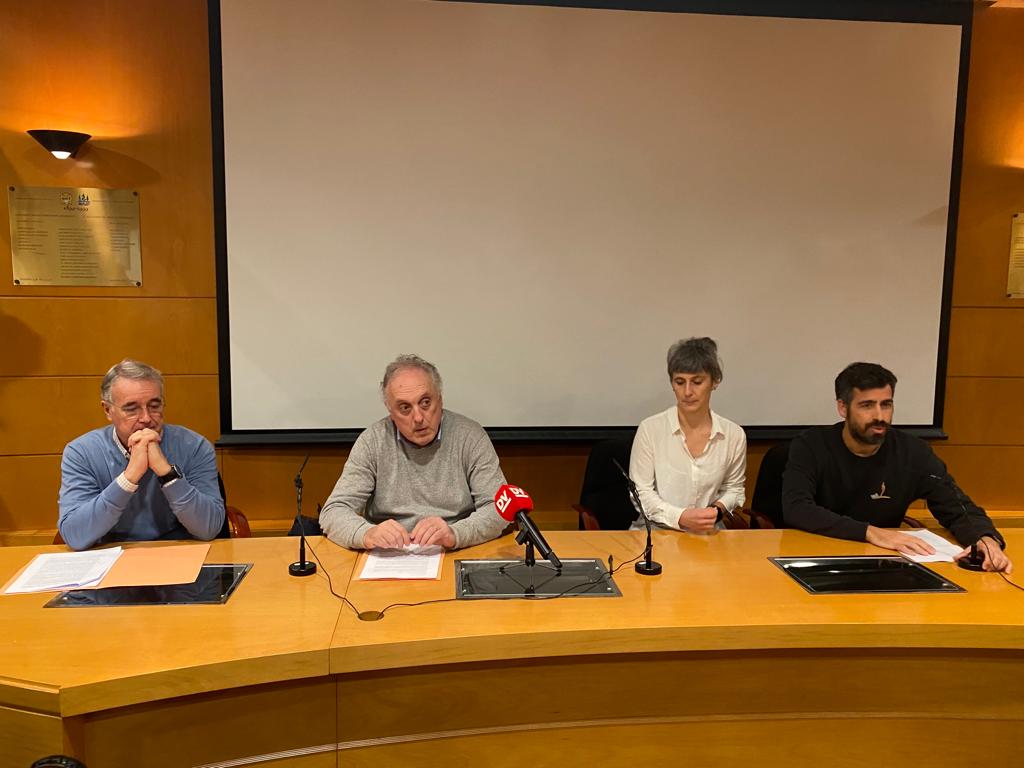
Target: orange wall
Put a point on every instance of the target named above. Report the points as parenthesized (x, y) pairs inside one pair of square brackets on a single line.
[(134, 74)]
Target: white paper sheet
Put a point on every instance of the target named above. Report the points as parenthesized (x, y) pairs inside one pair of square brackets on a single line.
[(412, 562), (944, 550), (64, 570)]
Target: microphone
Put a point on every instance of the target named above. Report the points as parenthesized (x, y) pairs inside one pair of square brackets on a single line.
[(634, 494), (514, 504), (976, 560), (647, 567), (302, 567)]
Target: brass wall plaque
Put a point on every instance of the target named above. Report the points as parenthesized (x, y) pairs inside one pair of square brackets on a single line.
[(1015, 274), (75, 236)]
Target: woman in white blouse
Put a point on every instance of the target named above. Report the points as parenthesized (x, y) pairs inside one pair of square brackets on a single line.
[(689, 463)]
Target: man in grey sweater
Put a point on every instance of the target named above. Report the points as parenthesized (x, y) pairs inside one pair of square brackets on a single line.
[(422, 475)]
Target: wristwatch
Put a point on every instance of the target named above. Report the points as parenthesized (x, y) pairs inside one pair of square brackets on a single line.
[(174, 474)]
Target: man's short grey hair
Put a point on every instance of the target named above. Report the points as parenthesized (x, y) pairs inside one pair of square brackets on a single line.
[(695, 355), (403, 362), (129, 369)]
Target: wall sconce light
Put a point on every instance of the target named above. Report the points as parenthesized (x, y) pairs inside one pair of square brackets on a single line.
[(61, 144)]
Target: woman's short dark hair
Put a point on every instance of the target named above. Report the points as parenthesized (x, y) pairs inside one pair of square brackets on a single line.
[(862, 376), (695, 355)]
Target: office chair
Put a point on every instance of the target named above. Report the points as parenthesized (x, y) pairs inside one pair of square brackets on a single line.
[(766, 504), (307, 526), (236, 524), (604, 497)]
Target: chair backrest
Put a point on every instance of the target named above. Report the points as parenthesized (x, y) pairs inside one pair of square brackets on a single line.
[(307, 526), (225, 530), (605, 495), (767, 499), (236, 524)]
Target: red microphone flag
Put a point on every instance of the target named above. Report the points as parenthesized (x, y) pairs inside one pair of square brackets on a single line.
[(510, 500)]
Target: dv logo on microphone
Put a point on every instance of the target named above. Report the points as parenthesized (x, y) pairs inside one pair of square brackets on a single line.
[(504, 499)]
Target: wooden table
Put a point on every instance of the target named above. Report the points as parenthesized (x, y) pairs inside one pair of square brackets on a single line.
[(719, 660), (177, 685)]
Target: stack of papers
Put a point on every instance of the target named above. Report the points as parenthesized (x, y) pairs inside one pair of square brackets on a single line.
[(944, 551), (411, 562), (64, 570)]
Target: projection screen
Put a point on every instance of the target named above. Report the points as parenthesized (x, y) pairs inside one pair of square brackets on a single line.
[(540, 199)]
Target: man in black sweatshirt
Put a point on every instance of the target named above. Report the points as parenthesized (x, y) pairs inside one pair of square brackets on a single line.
[(855, 479)]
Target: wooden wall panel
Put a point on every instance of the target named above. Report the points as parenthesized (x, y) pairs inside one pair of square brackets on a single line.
[(983, 237), (53, 411), (986, 342), (28, 492), (551, 474), (991, 475), (140, 86), (85, 336), (993, 171), (260, 481), (985, 411)]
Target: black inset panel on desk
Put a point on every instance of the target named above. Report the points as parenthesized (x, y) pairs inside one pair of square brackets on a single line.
[(513, 579), (863, 574), (213, 586)]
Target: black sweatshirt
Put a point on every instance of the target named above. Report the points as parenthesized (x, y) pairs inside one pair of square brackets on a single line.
[(827, 489)]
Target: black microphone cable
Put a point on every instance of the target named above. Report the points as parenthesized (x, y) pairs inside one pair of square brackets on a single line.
[(330, 582), (370, 615), (377, 615), (606, 576)]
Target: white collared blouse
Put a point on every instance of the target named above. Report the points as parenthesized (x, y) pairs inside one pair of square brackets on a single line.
[(670, 479)]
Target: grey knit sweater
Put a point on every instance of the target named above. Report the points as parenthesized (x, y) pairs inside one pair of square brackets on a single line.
[(385, 477)]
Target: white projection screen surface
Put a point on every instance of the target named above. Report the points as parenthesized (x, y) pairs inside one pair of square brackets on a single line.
[(541, 199)]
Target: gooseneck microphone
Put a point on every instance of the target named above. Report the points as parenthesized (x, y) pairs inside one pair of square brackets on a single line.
[(976, 560), (302, 567), (647, 566), (514, 504)]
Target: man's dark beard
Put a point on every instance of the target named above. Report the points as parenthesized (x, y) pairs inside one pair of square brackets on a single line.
[(865, 438)]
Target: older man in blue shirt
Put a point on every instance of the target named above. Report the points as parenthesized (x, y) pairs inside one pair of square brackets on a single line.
[(138, 479)]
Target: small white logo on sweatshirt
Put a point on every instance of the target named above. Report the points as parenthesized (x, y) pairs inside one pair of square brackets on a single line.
[(880, 494)]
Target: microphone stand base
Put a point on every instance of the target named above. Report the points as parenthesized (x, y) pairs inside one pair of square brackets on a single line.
[(648, 569), (970, 564), (307, 568)]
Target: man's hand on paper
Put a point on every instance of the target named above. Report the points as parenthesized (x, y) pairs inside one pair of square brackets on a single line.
[(433, 530), (900, 542), (387, 535)]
